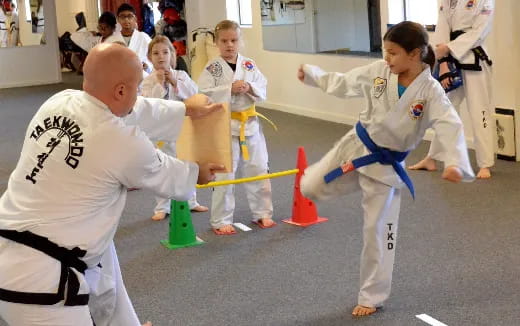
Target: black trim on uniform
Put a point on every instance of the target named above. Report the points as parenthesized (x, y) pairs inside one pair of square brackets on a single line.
[(69, 258), (478, 52)]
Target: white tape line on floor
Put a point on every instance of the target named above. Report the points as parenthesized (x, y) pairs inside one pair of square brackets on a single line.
[(242, 227), (430, 320)]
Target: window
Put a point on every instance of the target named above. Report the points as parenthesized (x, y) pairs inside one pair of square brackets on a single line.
[(424, 12), (245, 12), (240, 11)]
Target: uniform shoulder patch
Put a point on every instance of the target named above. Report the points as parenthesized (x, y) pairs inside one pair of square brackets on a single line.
[(215, 69), (417, 109), (453, 4), (248, 65), (379, 86)]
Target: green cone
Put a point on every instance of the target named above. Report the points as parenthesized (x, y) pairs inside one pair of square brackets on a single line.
[(182, 233)]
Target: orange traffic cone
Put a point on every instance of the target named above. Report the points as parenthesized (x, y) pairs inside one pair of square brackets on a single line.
[(304, 211)]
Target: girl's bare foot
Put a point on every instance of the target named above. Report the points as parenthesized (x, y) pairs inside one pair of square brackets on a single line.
[(484, 173), (360, 311), (225, 230), (426, 163), (159, 216), (200, 209), (265, 223)]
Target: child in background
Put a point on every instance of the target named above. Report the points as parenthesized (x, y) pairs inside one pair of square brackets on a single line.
[(169, 84), (403, 100), (236, 79)]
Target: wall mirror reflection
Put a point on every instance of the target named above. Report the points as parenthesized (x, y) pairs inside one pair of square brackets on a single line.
[(338, 26), (322, 26), (22, 23)]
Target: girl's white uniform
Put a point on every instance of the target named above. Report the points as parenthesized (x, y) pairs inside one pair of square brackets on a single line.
[(184, 89), (475, 18), (215, 81), (70, 185), (395, 123)]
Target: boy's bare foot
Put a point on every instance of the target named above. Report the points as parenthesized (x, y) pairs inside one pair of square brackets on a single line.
[(148, 323), (225, 230), (265, 223), (159, 216), (484, 173), (426, 163), (199, 209), (360, 311)]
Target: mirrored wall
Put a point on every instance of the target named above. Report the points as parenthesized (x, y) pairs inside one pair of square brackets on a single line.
[(22, 23), (322, 26)]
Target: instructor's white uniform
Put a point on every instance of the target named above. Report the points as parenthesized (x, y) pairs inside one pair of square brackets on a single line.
[(395, 123), (185, 88), (69, 186), (215, 81), (475, 19), (3, 29)]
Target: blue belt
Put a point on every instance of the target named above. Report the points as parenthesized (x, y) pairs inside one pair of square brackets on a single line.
[(378, 154)]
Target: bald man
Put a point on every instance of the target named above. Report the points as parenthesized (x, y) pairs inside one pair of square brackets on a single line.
[(66, 195)]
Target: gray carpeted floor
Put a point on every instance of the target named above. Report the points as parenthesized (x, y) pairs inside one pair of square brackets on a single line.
[(457, 253)]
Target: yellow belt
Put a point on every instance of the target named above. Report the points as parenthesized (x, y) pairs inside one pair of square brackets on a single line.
[(243, 117)]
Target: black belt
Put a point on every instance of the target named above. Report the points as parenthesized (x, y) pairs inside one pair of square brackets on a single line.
[(69, 258), (478, 52)]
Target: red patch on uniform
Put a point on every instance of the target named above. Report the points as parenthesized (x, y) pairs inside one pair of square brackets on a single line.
[(417, 110), (249, 66)]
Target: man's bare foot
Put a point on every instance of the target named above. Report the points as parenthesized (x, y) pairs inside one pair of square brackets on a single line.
[(265, 223), (148, 323), (199, 209), (426, 163), (159, 216), (360, 311), (484, 173), (225, 230)]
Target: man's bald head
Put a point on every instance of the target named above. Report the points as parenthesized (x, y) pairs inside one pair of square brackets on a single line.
[(112, 74)]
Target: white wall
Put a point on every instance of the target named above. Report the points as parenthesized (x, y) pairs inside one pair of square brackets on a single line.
[(66, 11), (33, 65)]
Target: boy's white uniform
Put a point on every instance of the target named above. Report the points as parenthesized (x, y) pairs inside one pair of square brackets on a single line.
[(215, 81), (3, 29), (139, 44), (394, 123), (69, 186), (475, 18), (184, 89)]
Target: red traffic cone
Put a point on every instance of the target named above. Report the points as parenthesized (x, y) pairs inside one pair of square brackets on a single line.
[(304, 211)]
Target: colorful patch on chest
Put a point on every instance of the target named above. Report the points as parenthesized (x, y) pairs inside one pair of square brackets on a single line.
[(215, 69), (379, 86), (416, 110), (470, 4), (248, 65)]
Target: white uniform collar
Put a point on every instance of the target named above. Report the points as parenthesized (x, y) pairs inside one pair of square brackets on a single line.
[(98, 103)]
